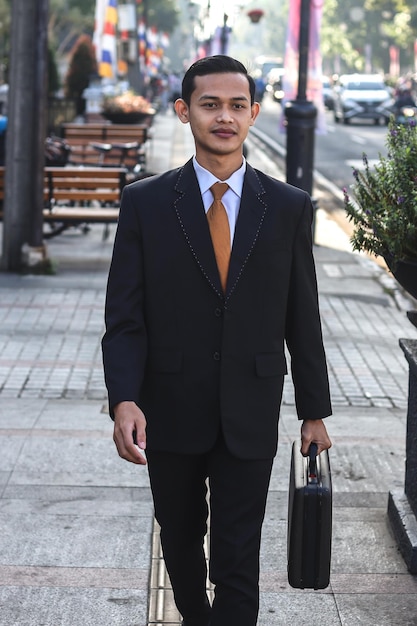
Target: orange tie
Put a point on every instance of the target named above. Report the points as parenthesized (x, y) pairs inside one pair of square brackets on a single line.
[(220, 230)]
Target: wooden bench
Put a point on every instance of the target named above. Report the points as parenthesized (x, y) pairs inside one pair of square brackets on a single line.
[(82, 195), (108, 145), (75, 196)]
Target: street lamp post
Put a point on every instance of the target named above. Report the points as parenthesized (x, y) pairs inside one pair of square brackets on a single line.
[(224, 35), (301, 116), (128, 50)]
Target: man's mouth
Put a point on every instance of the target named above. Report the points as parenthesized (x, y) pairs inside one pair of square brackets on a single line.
[(224, 132)]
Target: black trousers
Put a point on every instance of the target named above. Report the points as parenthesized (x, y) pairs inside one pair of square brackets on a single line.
[(237, 497)]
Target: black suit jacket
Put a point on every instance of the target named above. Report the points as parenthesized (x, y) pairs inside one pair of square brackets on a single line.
[(191, 357)]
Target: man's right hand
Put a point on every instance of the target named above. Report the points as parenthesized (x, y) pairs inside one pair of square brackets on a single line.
[(130, 427)]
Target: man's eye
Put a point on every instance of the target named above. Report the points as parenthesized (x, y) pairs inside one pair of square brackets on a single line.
[(209, 105)]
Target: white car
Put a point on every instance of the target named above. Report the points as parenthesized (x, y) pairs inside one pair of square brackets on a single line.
[(363, 96), (274, 84), (328, 100)]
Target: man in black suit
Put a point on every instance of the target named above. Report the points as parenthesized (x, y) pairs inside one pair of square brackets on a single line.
[(194, 344)]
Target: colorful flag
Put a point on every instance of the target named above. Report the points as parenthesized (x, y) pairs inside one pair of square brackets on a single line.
[(104, 38), (142, 44), (98, 27)]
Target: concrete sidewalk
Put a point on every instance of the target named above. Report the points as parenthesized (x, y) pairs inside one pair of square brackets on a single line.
[(78, 545)]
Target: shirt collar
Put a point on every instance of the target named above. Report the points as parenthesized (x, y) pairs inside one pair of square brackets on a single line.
[(206, 179)]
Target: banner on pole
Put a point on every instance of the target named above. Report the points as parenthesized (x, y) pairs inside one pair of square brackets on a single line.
[(291, 60), (104, 38)]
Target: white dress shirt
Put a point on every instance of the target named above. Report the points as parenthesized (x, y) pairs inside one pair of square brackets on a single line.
[(231, 199)]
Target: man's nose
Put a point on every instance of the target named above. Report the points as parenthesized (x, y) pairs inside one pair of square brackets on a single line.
[(225, 115)]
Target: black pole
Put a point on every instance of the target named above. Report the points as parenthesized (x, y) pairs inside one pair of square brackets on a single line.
[(27, 109), (303, 45), (301, 116), (134, 70), (224, 35), (41, 98)]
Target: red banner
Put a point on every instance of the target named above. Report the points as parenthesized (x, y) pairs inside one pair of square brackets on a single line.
[(291, 60)]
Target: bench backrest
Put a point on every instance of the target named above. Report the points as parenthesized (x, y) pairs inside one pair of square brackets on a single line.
[(80, 137), (106, 133), (67, 184)]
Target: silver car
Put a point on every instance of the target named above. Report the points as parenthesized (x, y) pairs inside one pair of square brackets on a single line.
[(363, 96)]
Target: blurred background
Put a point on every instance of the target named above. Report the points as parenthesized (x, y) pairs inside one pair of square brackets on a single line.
[(147, 43), (97, 61)]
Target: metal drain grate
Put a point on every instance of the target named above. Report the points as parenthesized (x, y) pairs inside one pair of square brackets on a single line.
[(162, 609)]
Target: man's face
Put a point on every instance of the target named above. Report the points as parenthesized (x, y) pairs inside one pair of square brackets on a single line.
[(220, 113)]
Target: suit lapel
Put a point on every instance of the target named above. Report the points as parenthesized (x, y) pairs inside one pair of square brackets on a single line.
[(192, 217), (252, 211), (193, 221)]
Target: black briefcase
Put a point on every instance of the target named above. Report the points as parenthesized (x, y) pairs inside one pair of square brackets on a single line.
[(309, 519)]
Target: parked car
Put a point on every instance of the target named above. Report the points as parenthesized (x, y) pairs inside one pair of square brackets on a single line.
[(327, 91), (363, 96), (266, 63), (260, 85), (274, 84)]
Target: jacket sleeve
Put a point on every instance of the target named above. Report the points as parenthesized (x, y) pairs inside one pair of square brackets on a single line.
[(124, 344), (303, 327)]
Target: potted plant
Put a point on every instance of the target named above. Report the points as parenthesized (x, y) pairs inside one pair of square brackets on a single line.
[(255, 15), (128, 108), (383, 206)]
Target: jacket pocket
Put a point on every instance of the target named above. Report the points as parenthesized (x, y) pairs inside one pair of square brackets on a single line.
[(166, 361), (270, 364)]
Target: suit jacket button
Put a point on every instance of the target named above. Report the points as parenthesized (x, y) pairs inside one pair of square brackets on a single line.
[(218, 312), (216, 356)]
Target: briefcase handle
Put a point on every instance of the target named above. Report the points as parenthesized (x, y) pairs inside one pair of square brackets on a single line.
[(312, 464)]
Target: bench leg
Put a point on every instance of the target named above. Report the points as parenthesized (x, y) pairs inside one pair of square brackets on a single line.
[(56, 229), (106, 232)]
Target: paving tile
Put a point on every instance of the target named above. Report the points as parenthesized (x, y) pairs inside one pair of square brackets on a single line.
[(75, 540), (375, 609), (32, 606), (297, 607)]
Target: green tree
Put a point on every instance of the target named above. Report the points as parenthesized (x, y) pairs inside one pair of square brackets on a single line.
[(162, 14), (85, 6), (82, 66), (5, 29), (265, 38), (349, 28), (398, 24), (340, 38), (68, 19), (71, 18), (53, 77)]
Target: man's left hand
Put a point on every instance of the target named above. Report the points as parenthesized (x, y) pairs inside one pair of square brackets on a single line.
[(314, 431)]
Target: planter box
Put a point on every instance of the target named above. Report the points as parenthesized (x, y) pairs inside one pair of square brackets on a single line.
[(129, 118)]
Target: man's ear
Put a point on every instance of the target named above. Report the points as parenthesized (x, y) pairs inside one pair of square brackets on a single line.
[(181, 109), (255, 108)]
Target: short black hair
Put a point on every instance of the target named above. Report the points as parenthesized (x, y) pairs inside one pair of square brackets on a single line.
[(217, 64)]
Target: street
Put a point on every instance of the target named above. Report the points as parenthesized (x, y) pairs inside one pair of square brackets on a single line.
[(337, 151)]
